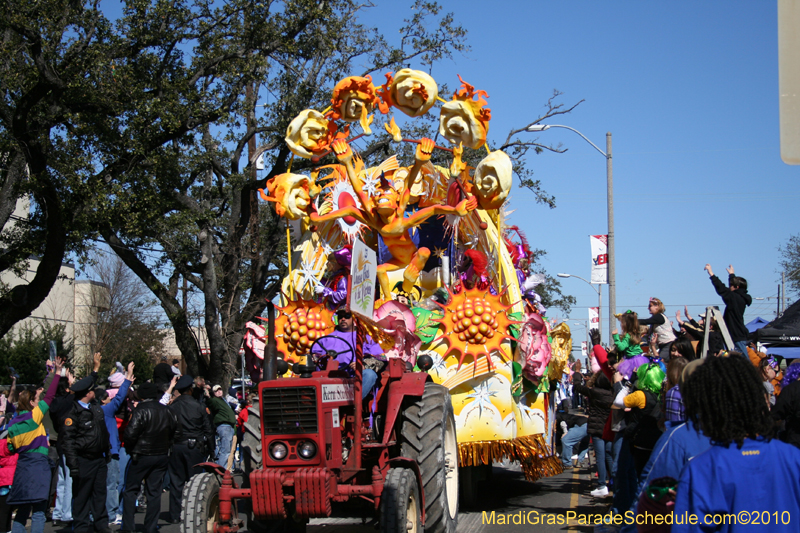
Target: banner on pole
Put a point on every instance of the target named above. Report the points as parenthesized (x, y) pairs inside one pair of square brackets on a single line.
[(363, 270), (599, 258), (584, 348), (594, 318)]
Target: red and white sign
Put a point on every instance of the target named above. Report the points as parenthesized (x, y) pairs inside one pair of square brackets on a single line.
[(599, 258), (594, 318)]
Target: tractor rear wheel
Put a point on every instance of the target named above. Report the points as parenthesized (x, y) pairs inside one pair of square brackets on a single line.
[(428, 436), (200, 504), (401, 507), (250, 446), (250, 449)]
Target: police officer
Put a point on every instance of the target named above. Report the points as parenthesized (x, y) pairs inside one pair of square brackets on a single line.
[(192, 447), (87, 451), (148, 439)]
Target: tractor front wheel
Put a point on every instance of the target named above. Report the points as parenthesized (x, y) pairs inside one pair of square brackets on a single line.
[(401, 509), (200, 504)]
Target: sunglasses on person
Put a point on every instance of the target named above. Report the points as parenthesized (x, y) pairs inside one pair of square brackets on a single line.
[(344, 314)]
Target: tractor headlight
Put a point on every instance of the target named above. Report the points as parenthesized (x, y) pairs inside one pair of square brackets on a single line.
[(278, 451), (307, 449)]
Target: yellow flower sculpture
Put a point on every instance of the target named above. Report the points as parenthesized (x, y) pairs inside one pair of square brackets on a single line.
[(561, 348), (411, 91), (492, 180), (464, 119), (309, 133)]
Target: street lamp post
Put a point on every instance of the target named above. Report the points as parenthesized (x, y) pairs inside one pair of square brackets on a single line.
[(612, 285), (599, 292)]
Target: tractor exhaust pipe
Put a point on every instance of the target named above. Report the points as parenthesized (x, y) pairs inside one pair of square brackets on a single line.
[(270, 369)]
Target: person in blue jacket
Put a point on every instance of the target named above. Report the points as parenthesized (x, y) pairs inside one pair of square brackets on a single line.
[(110, 405), (745, 473), (681, 442)]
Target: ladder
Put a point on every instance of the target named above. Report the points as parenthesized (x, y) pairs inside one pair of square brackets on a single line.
[(713, 313)]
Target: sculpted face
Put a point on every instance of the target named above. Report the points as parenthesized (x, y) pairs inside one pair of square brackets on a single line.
[(290, 192), (534, 348), (493, 179), (387, 200)]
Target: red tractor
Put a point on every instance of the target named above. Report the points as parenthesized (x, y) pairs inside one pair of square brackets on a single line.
[(311, 441)]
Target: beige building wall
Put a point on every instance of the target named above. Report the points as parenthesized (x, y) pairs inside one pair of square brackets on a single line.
[(74, 304)]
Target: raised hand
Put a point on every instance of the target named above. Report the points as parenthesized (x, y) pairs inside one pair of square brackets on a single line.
[(129, 375), (594, 335), (97, 358), (707, 268), (730, 269), (59, 364), (342, 150), (424, 150)]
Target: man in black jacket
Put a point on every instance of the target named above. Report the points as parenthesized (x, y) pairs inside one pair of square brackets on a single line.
[(192, 448), (148, 438), (85, 441), (736, 300), (62, 403)]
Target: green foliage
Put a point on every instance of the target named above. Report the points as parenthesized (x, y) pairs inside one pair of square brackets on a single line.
[(27, 351), (145, 131), (790, 262)]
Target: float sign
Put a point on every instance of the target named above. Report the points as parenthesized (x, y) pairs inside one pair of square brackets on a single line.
[(363, 272)]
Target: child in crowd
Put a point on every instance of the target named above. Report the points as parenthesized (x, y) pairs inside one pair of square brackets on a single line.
[(628, 345)]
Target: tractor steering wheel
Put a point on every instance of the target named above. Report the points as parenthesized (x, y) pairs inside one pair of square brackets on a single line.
[(330, 354)]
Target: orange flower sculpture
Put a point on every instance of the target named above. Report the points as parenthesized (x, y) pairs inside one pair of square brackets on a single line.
[(299, 324), (353, 99), (464, 119), (477, 324)]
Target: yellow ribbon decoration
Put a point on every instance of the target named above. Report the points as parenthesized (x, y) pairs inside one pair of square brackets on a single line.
[(289, 254), (530, 451)]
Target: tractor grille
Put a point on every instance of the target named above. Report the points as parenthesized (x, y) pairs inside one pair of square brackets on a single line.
[(289, 410)]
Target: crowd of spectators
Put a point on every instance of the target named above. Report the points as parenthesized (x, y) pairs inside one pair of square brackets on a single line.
[(89, 453), (680, 427)]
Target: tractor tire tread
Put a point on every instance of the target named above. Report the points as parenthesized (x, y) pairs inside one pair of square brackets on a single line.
[(422, 431)]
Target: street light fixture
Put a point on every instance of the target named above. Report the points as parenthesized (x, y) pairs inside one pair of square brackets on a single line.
[(599, 292), (612, 285)]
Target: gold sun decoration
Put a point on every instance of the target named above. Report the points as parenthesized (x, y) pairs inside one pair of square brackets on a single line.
[(299, 324), (479, 323)]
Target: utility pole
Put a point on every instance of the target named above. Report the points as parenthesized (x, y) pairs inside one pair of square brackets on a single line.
[(783, 292), (612, 285)]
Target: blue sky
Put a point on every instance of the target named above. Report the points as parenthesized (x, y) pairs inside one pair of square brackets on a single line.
[(689, 91)]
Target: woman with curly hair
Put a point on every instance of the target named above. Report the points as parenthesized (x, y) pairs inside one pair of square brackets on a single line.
[(744, 470), (787, 406)]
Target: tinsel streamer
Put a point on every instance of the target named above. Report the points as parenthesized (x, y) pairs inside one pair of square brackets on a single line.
[(530, 451)]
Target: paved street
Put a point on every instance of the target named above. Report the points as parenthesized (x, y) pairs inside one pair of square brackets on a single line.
[(507, 493)]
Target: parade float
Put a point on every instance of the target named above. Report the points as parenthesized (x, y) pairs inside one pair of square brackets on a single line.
[(452, 278)]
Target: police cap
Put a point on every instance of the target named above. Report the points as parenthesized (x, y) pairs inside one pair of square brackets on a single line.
[(82, 386), (184, 382)]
